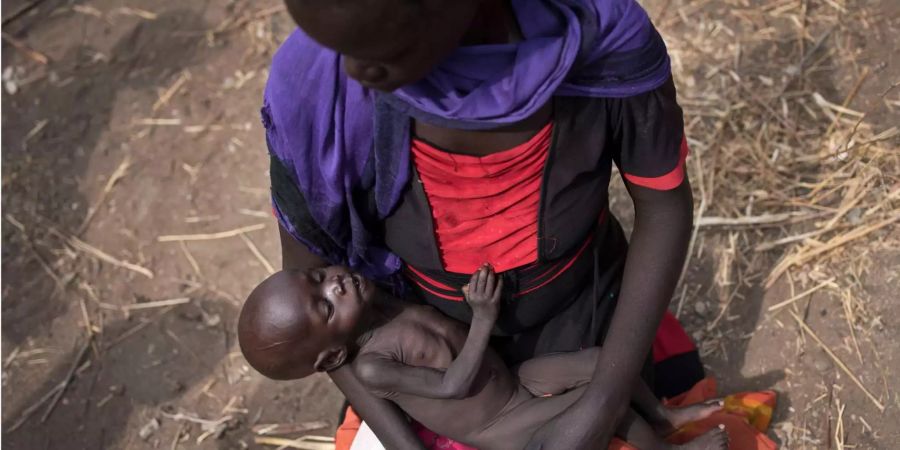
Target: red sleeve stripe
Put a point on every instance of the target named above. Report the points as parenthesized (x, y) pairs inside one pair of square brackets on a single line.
[(668, 181)]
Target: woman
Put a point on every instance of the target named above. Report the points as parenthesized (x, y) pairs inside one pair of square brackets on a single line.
[(415, 140)]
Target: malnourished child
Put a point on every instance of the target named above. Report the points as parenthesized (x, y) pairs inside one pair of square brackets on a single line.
[(440, 373)]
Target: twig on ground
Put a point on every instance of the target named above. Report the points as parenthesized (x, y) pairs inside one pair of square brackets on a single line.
[(135, 329), (211, 236), (764, 219), (137, 12), (190, 257), (64, 384), (789, 240), (31, 53), (258, 254), (188, 348), (837, 361), (839, 427), (303, 443), (177, 437), (183, 77), (117, 175), (157, 304), (38, 127), (45, 265), (78, 244), (848, 99), (34, 407), (232, 24), (805, 255), (255, 213), (779, 305), (288, 428), (92, 295), (21, 11), (848, 314)]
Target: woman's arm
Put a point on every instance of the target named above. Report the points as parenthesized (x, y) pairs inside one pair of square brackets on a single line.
[(383, 417), (659, 242)]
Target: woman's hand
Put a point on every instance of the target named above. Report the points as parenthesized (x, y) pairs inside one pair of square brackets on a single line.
[(483, 293)]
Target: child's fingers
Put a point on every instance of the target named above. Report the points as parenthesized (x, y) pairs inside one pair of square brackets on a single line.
[(498, 290), (485, 275), (473, 282), (465, 290), (476, 279), (490, 281)]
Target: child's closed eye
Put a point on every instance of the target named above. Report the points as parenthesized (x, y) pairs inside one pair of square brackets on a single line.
[(326, 308), (317, 275)]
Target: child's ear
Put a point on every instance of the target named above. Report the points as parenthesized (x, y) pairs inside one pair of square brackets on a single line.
[(331, 359)]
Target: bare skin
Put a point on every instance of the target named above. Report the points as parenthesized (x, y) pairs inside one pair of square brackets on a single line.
[(440, 373)]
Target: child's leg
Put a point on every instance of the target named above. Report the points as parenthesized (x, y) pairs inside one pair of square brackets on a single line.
[(555, 373), (514, 427)]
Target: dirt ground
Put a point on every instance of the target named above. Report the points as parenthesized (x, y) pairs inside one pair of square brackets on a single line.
[(126, 121)]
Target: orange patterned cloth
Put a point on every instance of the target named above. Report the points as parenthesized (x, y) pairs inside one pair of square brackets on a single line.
[(746, 417)]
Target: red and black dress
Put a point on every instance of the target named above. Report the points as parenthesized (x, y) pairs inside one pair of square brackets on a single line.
[(539, 214)]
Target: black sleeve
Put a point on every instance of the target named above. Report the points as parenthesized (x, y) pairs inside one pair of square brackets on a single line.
[(293, 214), (650, 146)]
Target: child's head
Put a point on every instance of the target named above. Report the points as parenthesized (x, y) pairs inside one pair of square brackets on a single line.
[(299, 322), (386, 43)]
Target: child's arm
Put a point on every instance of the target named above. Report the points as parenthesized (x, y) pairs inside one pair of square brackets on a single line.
[(385, 374)]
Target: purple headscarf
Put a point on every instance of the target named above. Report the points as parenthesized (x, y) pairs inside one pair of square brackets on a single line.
[(321, 124)]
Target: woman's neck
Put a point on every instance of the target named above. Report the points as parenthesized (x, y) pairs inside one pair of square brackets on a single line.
[(494, 23)]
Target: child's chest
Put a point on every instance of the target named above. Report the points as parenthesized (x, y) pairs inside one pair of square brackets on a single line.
[(423, 337)]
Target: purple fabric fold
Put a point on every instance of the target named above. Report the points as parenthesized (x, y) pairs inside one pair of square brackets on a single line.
[(321, 124)]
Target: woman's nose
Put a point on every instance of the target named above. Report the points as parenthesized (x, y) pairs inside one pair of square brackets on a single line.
[(364, 72)]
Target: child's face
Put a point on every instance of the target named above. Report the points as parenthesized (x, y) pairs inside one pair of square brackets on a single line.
[(333, 298), (297, 322), (387, 44)]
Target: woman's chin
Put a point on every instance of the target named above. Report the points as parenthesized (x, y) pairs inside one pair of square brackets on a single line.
[(386, 87)]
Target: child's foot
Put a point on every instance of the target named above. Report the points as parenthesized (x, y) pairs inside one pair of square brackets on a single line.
[(715, 439), (676, 417)]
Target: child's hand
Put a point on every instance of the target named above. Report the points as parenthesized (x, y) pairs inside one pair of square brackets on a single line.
[(483, 292)]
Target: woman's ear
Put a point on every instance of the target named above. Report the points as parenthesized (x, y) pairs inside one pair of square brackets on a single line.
[(330, 359)]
